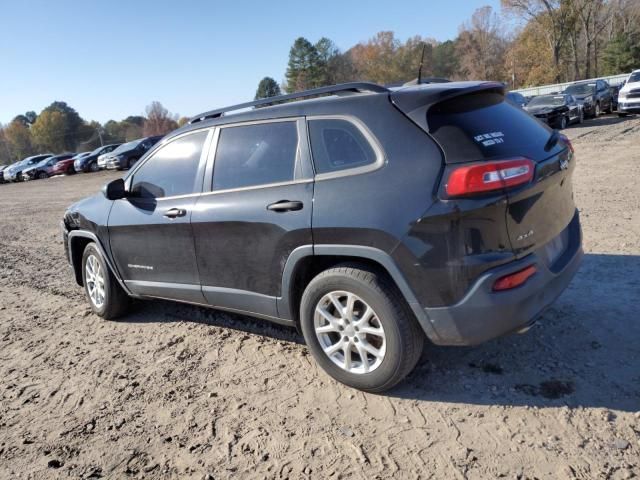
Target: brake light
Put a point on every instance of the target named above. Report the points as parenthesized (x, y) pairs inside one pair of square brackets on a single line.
[(489, 176), (566, 140), (514, 280)]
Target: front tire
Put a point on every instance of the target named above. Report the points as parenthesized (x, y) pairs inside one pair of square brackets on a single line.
[(105, 295), (563, 123), (597, 111), (359, 328), (93, 167), (42, 175)]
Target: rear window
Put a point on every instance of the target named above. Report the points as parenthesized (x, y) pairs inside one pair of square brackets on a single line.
[(483, 126)]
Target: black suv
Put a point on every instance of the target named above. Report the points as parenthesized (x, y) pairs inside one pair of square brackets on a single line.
[(594, 96), (89, 163), (368, 219)]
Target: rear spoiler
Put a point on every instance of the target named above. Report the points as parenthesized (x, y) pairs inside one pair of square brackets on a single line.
[(416, 101)]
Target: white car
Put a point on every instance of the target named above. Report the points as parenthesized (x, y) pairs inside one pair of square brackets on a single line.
[(629, 95), (102, 160)]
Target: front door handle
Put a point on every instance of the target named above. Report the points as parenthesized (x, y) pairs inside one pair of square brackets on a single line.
[(175, 212), (285, 206)]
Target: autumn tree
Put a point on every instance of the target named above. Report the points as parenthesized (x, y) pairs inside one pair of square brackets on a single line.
[(50, 130), (159, 121), (18, 138)]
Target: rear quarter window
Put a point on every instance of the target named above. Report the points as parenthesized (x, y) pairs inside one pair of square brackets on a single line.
[(484, 126), (338, 145)]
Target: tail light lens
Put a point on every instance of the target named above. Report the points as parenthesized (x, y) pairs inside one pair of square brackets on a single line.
[(489, 176), (566, 140), (514, 280)]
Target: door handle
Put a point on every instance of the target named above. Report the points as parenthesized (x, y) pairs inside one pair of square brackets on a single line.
[(175, 212), (285, 206)]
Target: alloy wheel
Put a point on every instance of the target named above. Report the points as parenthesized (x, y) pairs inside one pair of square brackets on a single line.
[(95, 281), (350, 332)]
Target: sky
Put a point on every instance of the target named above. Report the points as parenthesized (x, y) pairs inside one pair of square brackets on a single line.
[(109, 59)]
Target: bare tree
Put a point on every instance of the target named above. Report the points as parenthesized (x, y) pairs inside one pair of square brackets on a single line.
[(159, 121), (482, 46), (560, 15)]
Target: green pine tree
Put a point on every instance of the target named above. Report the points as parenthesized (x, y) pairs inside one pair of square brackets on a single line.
[(303, 71), (267, 87)]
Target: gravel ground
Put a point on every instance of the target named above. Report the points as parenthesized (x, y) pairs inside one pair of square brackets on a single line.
[(174, 390)]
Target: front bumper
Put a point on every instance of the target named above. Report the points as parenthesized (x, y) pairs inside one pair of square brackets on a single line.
[(113, 163), (484, 314), (632, 105)]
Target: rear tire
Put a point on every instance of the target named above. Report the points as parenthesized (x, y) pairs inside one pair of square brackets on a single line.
[(106, 297), (42, 175), (597, 111), (388, 339)]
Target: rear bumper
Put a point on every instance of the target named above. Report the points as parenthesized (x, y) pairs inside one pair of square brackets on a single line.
[(484, 314)]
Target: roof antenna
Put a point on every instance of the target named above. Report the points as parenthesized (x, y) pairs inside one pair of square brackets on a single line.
[(424, 45)]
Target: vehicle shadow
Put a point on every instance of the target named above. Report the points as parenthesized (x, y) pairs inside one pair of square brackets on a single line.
[(584, 350), (610, 119)]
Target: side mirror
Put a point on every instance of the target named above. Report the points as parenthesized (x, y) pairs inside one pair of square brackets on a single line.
[(114, 190)]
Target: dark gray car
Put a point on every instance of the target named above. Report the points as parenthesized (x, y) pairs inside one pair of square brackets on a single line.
[(372, 220)]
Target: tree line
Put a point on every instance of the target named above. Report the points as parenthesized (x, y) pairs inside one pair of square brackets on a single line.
[(59, 128), (553, 41)]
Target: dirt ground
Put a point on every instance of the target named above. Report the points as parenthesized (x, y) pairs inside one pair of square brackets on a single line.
[(179, 391)]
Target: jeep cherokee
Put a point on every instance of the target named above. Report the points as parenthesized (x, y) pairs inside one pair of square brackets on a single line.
[(369, 219)]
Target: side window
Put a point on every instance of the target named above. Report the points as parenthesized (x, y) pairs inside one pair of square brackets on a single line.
[(338, 145), (250, 155), (171, 170)]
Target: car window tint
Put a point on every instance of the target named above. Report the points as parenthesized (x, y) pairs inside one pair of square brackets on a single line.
[(338, 145), (171, 170), (250, 155)]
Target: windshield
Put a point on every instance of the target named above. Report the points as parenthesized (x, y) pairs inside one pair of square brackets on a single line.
[(634, 77), (581, 89), (127, 146), (547, 101)]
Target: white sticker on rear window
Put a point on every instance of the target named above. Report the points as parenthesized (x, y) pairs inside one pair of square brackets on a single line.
[(488, 139)]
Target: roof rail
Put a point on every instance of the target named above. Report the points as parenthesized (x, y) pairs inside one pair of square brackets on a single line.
[(355, 87)]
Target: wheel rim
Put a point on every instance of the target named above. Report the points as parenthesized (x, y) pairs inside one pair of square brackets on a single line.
[(597, 109), (93, 167), (350, 332), (563, 123), (95, 281)]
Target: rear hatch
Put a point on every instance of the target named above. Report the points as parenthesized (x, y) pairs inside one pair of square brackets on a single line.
[(478, 126)]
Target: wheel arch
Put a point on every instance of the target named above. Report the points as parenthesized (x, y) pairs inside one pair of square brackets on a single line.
[(305, 262), (78, 241)]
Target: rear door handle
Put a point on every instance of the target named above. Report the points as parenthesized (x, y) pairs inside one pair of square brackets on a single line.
[(175, 212), (285, 206)]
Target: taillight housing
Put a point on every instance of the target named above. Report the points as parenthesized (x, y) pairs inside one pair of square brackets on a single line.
[(514, 280), (489, 176), (566, 140)]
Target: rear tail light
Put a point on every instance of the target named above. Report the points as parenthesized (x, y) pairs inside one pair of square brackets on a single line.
[(514, 280), (489, 176), (566, 140)]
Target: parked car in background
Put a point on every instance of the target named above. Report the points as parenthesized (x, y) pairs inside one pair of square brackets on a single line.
[(320, 215), (126, 155), (594, 96), (13, 173), (43, 169), (615, 90), (517, 99), (2, 167), (557, 111), (89, 162), (629, 96), (64, 165)]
